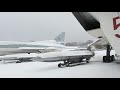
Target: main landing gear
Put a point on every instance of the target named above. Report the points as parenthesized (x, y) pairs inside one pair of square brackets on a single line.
[(65, 64), (68, 63), (108, 58), (19, 61)]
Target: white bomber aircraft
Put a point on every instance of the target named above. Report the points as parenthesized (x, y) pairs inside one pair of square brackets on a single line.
[(69, 55), (13, 47), (105, 26)]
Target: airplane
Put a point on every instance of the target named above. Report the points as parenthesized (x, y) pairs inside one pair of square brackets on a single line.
[(69, 55), (13, 47), (105, 27)]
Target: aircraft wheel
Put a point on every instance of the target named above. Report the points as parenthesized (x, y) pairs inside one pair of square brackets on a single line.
[(108, 58), (104, 59), (87, 61), (18, 62), (113, 58), (59, 65)]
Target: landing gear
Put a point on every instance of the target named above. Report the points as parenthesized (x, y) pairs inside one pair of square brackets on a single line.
[(108, 58), (87, 60), (65, 64), (59, 65), (18, 61), (69, 62)]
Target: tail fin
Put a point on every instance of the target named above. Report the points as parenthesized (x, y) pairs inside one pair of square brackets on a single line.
[(60, 37)]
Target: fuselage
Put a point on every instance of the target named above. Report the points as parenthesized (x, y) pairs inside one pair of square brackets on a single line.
[(70, 53), (65, 54), (11, 47)]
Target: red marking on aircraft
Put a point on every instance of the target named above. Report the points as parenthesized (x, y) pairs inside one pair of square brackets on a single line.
[(115, 25), (117, 35)]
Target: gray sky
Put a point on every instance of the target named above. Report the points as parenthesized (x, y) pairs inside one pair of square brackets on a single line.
[(36, 26)]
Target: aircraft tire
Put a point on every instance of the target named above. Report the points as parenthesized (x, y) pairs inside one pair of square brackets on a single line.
[(18, 62), (87, 61), (108, 58), (113, 58), (105, 59), (59, 65)]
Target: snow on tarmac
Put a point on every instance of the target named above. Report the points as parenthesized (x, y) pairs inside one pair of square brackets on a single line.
[(95, 69)]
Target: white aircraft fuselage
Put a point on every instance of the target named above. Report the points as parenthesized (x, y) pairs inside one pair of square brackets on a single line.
[(65, 54), (12, 47)]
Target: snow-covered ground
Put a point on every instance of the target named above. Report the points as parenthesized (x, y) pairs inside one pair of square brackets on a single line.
[(95, 69)]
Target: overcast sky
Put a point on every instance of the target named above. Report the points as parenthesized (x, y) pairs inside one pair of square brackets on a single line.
[(36, 26)]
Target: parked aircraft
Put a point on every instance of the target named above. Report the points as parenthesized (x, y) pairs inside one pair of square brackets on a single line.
[(13, 47), (69, 55), (105, 27)]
